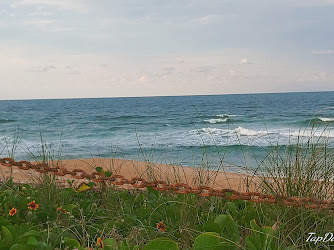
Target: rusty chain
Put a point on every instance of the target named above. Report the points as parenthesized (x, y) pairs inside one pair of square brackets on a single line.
[(180, 188)]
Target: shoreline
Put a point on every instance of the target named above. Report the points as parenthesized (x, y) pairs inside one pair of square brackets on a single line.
[(147, 170)]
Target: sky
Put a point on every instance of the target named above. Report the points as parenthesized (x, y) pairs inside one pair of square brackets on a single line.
[(114, 48)]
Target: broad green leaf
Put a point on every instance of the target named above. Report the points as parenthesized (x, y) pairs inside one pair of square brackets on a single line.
[(41, 246), (232, 229), (21, 247), (110, 244), (252, 243), (207, 241), (107, 173), (124, 246), (254, 226), (162, 243), (8, 235), (210, 226), (71, 242), (32, 241), (268, 230), (4, 222), (32, 233), (221, 220), (232, 207), (99, 170)]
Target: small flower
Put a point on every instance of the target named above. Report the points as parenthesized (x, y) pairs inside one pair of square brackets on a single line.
[(62, 210), (161, 226), (23, 188), (13, 211), (274, 227), (33, 205), (99, 242)]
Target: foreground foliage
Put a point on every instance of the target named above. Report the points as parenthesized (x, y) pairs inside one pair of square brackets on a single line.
[(46, 216)]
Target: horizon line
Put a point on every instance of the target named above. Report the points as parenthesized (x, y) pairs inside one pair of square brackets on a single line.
[(114, 97)]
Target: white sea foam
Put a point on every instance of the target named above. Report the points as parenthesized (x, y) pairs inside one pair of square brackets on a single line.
[(309, 133), (216, 120), (214, 130), (246, 132), (225, 115), (325, 119)]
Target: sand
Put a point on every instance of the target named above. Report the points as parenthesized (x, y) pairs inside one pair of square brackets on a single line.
[(147, 170)]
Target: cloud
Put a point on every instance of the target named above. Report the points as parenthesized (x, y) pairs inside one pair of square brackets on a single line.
[(39, 23), (179, 60), (169, 69), (60, 4), (234, 73), (322, 52), (44, 68), (142, 79), (202, 69), (205, 19), (244, 61)]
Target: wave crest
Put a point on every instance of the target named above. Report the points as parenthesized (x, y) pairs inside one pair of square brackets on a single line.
[(325, 119), (219, 120), (245, 131)]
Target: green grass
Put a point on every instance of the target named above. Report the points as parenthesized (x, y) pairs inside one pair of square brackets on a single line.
[(131, 217)]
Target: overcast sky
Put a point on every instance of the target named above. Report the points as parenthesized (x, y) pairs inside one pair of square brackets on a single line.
[(109, 48)]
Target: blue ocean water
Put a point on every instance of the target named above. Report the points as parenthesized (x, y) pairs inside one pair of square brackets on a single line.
[(187, 130)]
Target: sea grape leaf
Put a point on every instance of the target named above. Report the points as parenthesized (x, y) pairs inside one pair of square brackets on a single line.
[(99, 170), (207, 241), (8, 235), (210, 226), (162, 243), (252, 243), (71, 242), (32, 241)]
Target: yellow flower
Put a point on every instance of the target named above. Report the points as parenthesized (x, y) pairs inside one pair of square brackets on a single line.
[(99, 242), (12, 212), (33, 205)]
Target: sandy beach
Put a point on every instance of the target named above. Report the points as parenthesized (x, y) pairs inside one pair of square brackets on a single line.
[(146, 170)]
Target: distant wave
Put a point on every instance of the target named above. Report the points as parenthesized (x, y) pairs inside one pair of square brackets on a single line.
[(325, 119), (6, 120), (226, 115), (239, 130), (308, 122), (219, 120)]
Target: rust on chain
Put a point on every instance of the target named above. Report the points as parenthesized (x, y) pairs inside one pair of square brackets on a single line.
[(180, 188)]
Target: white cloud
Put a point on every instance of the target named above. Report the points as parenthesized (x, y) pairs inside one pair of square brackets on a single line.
[(44, 68), (179, 60), (39, 23), (61, 4), (322, 52), (202, 69), (205, 19), (142, 79), (234, 73), (244, 61)]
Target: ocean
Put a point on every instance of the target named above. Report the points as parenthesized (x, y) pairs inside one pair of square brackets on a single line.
[(238, 130)]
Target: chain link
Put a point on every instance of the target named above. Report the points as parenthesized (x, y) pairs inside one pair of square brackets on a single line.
[(180, 188)]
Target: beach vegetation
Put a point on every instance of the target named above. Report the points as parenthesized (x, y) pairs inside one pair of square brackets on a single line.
[(46, 214)]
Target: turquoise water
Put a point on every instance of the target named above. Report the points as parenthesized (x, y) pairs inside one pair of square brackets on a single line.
[(178, 130)]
